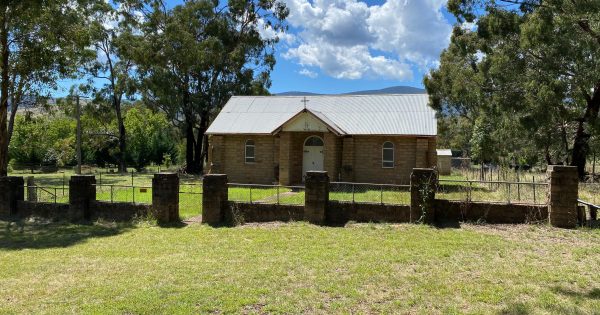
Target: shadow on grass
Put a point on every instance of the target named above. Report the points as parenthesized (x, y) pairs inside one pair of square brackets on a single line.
[(593, 293), (16, 235)]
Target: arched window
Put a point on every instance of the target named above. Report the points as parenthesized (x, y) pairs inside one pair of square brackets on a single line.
[(313, 141), (249, 151), (387, 155)]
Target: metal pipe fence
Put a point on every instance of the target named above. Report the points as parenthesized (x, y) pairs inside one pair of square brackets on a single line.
[(492, 191), (590, 192), (37, 193), (266, 194), (190, 199), (369, 193), (124, 193)]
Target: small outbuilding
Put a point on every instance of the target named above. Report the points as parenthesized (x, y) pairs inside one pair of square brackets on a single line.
[(444, 161), (355, 138)]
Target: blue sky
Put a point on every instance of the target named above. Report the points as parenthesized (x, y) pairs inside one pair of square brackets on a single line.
[(335, 46)]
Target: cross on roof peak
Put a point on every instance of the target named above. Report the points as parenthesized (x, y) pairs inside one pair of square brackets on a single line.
[(304, 100)]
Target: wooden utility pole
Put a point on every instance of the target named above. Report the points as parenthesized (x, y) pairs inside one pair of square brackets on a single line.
[(78, 114)]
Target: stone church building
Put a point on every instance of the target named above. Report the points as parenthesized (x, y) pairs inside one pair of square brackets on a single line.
[(355, 138)]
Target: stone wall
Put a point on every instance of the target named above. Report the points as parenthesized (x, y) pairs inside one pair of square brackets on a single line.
[(257, 212), (319, 209), (488, 212), (48, 210), (342, 212), (83, 205), (119, 211)]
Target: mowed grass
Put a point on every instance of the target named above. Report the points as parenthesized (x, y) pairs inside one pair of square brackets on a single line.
[(297, 268)]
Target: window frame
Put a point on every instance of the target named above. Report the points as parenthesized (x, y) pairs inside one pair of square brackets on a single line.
[(383, 160), (249, 143)]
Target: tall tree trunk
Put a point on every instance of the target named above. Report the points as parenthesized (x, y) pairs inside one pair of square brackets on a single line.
[(13, 114), (580, 150), (201, 142), (122, 135), (190, 144), (4, 94), (581, 146)]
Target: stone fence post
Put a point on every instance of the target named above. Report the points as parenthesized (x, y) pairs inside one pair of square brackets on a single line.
[(215, 198), (423, 184), (11, 191), (31, 189), (82, 191), (316, 196), (562, 195), (165, 197)]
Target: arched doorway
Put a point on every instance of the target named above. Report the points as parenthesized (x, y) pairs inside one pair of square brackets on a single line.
[(313, 155)]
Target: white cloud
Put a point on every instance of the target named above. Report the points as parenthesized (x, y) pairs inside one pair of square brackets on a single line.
[(351, 40), (308, 73), (267, 32)]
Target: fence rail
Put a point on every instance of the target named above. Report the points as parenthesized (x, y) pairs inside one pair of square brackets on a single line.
[(266, 194), (124, 193), (37, 193), (493, 191), (369, 193)]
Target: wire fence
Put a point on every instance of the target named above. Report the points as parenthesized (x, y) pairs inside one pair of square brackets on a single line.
[(266, 194), (369, 193), (492, 191), (37, 193), (190, 200), (124, 193)]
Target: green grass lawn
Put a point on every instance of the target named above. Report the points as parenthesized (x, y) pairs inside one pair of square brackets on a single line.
[(297, 268)]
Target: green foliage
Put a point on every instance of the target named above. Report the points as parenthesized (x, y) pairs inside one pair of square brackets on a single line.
[(150, 137), (41, 42), (43, 139), (193, 57), (532, 67), (482, 145)]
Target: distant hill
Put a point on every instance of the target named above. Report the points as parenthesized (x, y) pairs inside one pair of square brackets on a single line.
[(389, 90)]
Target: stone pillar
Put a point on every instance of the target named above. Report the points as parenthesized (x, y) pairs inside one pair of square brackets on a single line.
[(316, 196), (423, 184), (285, 163), (215, 198), (165, 197), (82, 191), (11, 191), (31, 189), (563, 185)]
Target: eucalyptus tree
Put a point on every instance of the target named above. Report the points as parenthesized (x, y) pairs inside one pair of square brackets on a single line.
[(40, 42), (533, 61), (113, 31), (196, 55)]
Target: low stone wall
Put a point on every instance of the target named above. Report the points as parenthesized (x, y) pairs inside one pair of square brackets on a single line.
[(341, 212), (257, 212), (489, 212), (118, 211), (48, 210)]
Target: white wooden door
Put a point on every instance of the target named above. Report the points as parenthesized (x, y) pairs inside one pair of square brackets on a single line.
[(313, 155)]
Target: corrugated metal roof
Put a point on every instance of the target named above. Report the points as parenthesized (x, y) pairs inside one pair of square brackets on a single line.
[(444, 152), (398, 114)]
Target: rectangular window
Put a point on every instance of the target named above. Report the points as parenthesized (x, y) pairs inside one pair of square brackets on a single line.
[(249, 151), (387, 155)]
